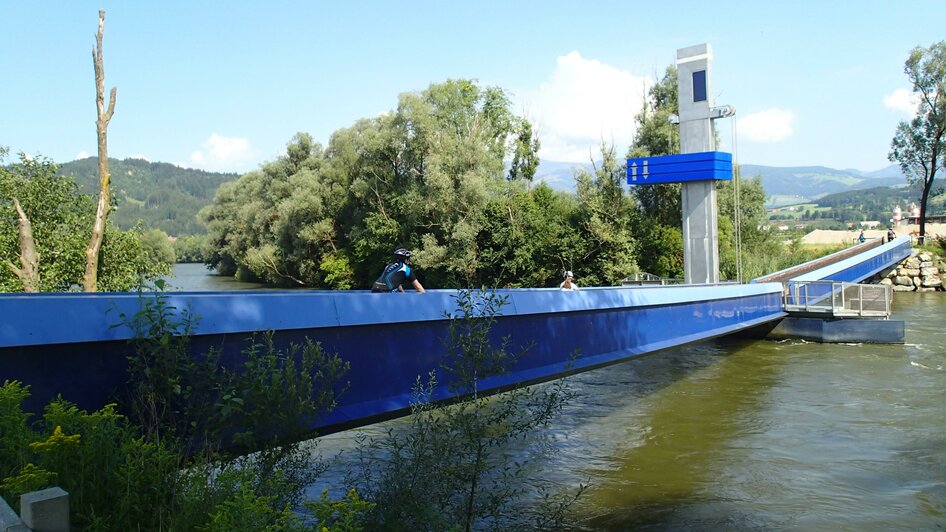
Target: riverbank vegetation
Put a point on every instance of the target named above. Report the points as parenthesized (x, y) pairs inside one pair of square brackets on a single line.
[(449, 174), (60, 218)]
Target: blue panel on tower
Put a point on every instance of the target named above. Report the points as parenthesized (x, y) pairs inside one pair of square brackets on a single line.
[(711, 165)]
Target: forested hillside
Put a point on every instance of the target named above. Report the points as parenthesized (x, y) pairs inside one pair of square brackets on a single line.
[(812, 182), (878, 203), (162, 195)]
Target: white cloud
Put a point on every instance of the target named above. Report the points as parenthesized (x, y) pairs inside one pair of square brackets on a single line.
[(583, 102), (223, 154), (901, 100), (771, 125), (82, 155)]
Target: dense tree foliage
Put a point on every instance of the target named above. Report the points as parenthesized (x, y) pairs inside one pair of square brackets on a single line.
[(191, 249), (754, 239), (61, 219), (431, 176), (659, 230), (448, 175), (920, 145), (606, 218), (159, 195)]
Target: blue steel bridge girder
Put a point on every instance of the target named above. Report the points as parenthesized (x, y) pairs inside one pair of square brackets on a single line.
[(69, 344), (74, 344)]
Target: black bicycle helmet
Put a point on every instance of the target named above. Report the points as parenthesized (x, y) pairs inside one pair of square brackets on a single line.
[(401, 253)]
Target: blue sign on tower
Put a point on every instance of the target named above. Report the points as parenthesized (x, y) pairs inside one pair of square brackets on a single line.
[(702, 166)]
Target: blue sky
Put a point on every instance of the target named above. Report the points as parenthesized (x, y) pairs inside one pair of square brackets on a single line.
[(224, 86)]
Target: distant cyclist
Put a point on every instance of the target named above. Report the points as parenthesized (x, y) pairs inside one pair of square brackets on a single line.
[(569, 282), (396, 273)]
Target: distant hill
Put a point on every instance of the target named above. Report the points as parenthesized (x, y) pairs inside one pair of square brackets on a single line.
[(813, 182), (884, 199), (162, 195), (560, 175), (803, 183)]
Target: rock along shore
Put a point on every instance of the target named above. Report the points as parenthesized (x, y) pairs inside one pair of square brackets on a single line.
[(920, 272)]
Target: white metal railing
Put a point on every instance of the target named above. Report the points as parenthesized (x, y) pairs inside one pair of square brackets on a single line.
[(838, 299), (644, 278)]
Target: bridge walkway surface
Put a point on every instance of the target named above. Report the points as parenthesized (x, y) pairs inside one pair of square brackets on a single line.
[(821, 262)]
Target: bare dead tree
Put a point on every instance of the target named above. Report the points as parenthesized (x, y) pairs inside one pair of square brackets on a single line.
[(29, 257), (90, 278)]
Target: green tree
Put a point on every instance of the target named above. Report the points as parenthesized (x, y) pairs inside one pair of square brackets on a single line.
[(752, 236), (920, 145), (525, 157), (419, 177), (158, 246), (658, 230), (55, 208), (191, 248), (527, 238), (605, 217)]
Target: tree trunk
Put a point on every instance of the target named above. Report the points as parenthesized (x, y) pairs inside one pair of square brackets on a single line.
[(90, 279), (29, 258)]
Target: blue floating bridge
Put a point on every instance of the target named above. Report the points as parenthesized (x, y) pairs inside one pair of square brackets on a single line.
[(75, 344), (821, 296)]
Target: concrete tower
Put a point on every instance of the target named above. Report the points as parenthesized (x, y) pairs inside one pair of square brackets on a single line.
[(698, 198)]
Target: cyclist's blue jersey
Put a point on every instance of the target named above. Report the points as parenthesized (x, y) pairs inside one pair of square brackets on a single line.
[(393, 276)]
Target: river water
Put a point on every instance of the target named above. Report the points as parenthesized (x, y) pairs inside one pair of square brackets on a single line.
[(737, 434), (195, 277)]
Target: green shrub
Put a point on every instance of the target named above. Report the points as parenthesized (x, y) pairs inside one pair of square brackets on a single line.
[(450, 470), (181, 461), (114, 478)]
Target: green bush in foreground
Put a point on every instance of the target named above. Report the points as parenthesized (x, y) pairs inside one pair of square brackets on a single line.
[(179, 462), (451, 469)]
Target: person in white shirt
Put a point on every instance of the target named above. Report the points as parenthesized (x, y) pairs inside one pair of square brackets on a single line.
[(569, 282)]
